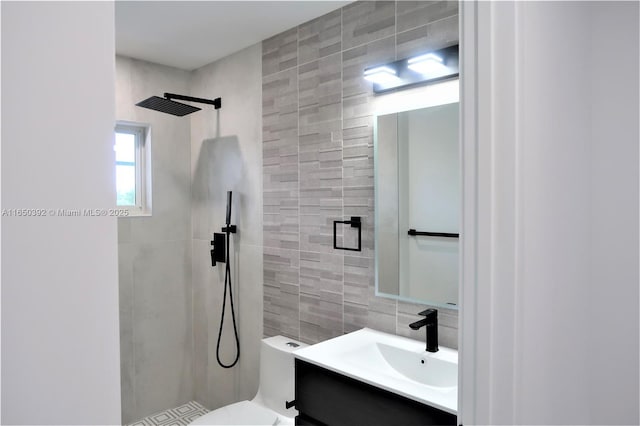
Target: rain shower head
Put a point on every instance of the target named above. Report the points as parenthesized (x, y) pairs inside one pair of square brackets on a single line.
[(168, 106)]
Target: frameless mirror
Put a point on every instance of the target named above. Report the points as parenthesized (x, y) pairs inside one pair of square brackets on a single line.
[(417, 184)]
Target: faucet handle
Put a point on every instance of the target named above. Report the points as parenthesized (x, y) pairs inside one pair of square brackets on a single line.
[(429, 312)]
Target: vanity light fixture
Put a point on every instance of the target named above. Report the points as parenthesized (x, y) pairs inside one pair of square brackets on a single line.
[(429, 65), (381, 75), (427, 68)]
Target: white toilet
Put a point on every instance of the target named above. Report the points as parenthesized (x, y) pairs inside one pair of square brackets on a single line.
[(276, 387)]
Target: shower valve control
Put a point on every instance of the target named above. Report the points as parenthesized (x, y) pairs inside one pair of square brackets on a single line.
[(218, 248)]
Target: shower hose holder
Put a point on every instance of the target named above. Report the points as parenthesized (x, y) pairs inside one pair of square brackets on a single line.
[(229, 229)]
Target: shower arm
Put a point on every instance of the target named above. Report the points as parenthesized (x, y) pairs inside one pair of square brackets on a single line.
[(217, 102)]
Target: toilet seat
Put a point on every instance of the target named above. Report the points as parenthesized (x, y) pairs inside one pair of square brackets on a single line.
[(240, 413)]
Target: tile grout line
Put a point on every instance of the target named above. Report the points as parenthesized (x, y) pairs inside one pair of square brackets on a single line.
[(133, 338), (342, 143), (423, 25), (298, 165), (194, 367)]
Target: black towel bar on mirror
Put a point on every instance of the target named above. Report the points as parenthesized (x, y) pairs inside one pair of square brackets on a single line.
[(413, 232)]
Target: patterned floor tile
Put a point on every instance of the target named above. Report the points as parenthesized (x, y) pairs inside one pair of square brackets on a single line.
[(179, 416)]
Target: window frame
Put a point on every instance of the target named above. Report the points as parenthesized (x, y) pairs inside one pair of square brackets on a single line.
[(141, 133)]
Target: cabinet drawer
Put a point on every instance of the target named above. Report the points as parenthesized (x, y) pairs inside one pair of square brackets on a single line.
[(326, 397)]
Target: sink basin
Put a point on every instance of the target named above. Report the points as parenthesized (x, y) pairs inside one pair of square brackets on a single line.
[(391, 362), (428, 370)]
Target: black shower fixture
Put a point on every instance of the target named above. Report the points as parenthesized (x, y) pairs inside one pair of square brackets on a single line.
[(220, 253), (167, 105)]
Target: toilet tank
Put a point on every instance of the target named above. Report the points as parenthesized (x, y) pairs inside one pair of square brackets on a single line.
[(277, 374)]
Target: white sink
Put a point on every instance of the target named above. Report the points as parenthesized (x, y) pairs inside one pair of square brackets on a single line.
[(394, 363), (427, 370)]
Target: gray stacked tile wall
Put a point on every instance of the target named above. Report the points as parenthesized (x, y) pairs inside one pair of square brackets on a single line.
[(317, 113)]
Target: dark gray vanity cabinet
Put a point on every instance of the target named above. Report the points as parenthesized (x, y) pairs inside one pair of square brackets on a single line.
[(323, 397)]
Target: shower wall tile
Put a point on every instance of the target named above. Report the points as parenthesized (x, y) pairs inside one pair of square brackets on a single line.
[(359, 294), (200, 214), (320, 83), (124, 231), (127, 365), (137, 80), (318, 115), (355, 316), (383, 321), (381, 305), (227, 154), (162, 325), (226, 149), (154, 253), (249, 279), (448, 337), (355, 60), (281, 292), (412, 14), (214, 386), (171, 214), (280, 52), (358, 180), (320, 37), (320, 151), (359, 201), (365, 21), (280, 159), (280, 105), (321, 275), (358, 279), (319, 319), (203, 277), (433, 36)]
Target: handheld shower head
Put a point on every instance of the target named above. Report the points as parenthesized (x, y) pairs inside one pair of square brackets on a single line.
[(168, 106), (228, 208)]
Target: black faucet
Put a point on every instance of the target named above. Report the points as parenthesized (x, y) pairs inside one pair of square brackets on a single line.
[(430, 320)]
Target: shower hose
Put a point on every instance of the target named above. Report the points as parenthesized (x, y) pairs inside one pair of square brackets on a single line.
[(227, 279)]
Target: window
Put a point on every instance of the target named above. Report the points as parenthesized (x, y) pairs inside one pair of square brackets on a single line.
[(132, 168)]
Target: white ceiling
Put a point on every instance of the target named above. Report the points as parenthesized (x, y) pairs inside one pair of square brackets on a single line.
[(190, 34)]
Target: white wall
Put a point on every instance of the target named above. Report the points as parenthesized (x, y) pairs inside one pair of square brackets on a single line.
[(60, 346), (550, 321), (614, 285)]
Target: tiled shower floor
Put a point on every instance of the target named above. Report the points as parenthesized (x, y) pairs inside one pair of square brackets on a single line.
[(179, 416)]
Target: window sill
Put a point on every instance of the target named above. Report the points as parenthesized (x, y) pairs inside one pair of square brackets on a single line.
[(137, 213)]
